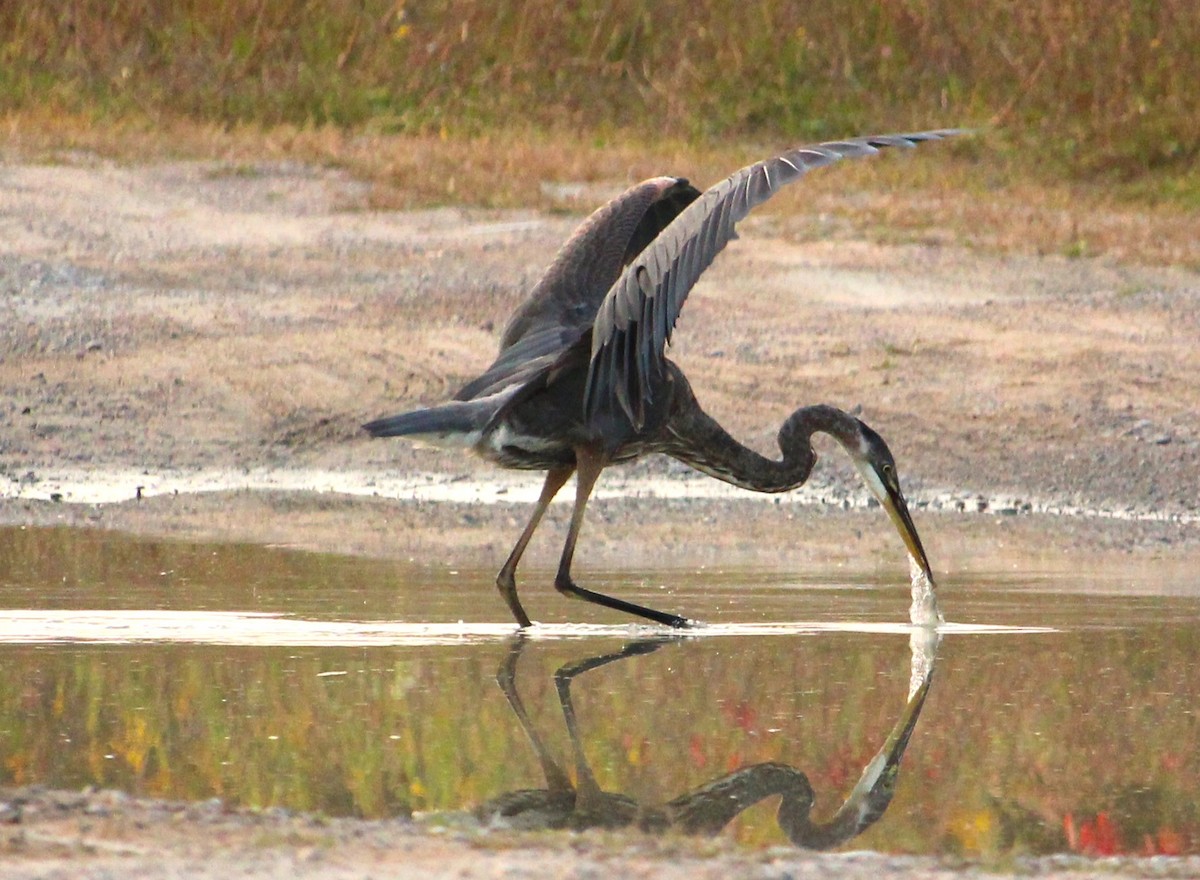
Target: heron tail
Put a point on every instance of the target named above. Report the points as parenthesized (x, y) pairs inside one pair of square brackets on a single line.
[(457, 422)]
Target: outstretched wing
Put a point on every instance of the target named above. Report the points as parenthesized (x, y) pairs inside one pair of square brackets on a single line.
[(563, 304), (635, 320)]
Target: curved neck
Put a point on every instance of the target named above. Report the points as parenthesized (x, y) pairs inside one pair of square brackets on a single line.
[(696, 439)]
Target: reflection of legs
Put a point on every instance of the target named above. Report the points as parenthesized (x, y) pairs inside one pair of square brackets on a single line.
[(506, 580), (589, 464), (587, 784), (506, 677)]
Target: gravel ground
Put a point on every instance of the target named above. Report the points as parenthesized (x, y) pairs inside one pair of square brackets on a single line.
[(102, 835)]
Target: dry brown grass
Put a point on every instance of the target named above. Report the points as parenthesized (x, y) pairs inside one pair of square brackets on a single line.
[(951, 193)]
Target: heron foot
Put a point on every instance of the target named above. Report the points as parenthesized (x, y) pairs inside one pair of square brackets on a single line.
[(506, 583), (572, 590)]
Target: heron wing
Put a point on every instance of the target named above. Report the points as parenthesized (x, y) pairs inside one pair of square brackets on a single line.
[(533, 353), (634, 322), (563, 304)]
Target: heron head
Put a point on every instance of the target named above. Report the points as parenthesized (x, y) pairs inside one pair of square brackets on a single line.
[(878, 469)]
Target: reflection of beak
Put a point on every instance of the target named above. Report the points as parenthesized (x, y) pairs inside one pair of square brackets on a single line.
[(893, 503)]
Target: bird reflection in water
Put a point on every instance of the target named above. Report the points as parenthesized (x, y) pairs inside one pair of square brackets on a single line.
[(709, 808)]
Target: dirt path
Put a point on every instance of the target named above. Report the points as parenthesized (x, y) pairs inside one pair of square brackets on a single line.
[(209, 326)]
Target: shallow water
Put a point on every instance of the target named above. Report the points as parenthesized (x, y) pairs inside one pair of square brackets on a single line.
[(1061, 712)]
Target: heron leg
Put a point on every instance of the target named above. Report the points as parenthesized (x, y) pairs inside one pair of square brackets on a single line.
[(506, 580), (589, 464)]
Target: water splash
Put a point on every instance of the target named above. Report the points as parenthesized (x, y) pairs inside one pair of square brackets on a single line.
[(923, 644), (924, 609)]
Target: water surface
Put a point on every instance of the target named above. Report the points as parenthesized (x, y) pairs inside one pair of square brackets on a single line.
[(1060, 714)]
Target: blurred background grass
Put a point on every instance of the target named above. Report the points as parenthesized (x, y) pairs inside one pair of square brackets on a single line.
[(1071, 89)]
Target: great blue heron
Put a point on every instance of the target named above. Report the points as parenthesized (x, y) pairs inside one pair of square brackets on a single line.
[(582, 379)]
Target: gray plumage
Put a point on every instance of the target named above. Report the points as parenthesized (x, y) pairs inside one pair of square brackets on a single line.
[(582, 379), (634, 322)]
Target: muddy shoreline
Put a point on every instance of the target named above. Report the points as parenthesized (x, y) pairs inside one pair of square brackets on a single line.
[(99, 834)]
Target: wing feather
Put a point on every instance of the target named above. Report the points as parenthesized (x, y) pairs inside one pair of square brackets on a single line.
[(559, 311), (635, 320)]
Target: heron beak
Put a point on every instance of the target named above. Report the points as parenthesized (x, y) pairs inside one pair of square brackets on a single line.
[(897, 509), (889, 496)]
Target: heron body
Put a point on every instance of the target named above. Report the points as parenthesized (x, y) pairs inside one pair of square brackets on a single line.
[(582, 380)]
